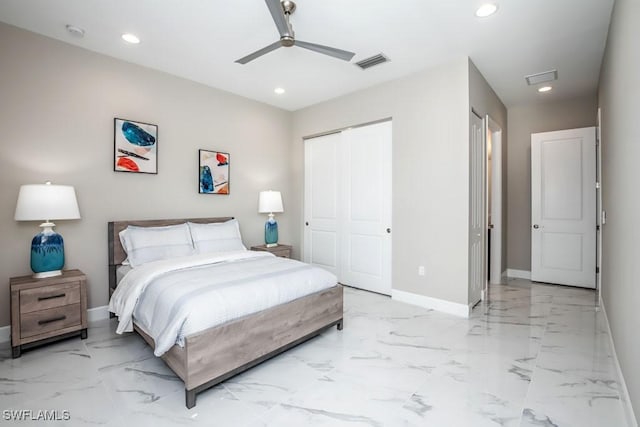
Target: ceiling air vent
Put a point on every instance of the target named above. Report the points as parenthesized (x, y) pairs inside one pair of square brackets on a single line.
[(547, 76), (372, 61)]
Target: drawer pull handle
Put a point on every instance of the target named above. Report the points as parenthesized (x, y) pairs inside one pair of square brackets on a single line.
[(52, 297), (55, 319)]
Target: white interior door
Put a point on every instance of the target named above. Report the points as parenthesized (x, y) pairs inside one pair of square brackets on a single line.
[(563, 207), (477, 214), (322, 175), (367, 201)]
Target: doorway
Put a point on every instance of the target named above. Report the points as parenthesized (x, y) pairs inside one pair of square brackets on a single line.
[(563, 207), (478, 209), (494, 200), (485, 214)]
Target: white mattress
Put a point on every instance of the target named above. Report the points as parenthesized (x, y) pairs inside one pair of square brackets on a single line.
[(172, 299)]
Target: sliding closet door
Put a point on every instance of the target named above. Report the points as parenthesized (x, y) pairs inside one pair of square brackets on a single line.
[(321, 201), (348, 205), (366, 242)]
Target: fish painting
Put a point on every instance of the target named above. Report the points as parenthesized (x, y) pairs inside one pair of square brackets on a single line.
[(135, 146)]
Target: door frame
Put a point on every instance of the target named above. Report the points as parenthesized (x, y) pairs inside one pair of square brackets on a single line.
[(479, 258), (600, 213), (494, 131)]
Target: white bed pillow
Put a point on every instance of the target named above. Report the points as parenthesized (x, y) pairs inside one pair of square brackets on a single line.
[(147, 244), (216, 237)]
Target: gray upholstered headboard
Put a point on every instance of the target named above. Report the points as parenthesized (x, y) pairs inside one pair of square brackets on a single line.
[(117, 254)]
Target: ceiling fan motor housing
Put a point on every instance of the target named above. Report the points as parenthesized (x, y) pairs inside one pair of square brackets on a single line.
[(287, 41)]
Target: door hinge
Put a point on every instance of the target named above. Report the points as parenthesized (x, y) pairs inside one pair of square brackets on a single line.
[(597, 270), (597, 228), (597, 185)]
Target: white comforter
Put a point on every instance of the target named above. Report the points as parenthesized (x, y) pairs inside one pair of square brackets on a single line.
[(171, 299)]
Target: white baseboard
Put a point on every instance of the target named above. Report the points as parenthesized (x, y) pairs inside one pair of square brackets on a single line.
[(93, 314), (626, 400), (424, 301), (98, 313), (518, 274)]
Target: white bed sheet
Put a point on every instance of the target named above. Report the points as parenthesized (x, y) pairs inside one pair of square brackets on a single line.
[(171, 299), (122, 271)]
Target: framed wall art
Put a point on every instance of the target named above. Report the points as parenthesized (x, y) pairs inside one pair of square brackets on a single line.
[(213, 172), (135, 147)]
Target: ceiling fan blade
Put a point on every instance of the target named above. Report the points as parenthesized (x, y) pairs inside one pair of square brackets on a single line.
[(259, 53), (331, 51), (278, 17)]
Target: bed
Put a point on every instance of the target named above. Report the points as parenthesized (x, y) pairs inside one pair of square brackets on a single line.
[(217, 353)]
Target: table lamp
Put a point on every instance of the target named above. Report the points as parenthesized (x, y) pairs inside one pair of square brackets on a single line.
[(270, 202), (37, 202)]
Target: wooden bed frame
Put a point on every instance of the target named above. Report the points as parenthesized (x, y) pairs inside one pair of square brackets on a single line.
[(216, 354)]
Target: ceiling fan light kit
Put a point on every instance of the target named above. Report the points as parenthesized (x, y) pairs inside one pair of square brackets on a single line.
[(280, 12)]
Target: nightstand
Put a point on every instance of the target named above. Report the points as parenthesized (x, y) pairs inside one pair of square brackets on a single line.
[(283, 251), (44, 310)]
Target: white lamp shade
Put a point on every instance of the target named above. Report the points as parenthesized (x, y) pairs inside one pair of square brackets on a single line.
[(270, 202), (38, 202)]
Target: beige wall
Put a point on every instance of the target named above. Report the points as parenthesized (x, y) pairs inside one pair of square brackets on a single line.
[(523, 121), (430, 171), (484, 101), (619, 100), (57, 108)]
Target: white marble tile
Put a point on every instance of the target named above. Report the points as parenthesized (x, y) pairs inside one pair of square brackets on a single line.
[(86, 403), (216, 407), (44, 370), (141, 383), (532, 355)]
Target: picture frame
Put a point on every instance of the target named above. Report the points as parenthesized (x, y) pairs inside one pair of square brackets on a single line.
[(213, 172), (135, 146)]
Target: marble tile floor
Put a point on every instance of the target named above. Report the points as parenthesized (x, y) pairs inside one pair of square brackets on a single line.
[(533, 355)]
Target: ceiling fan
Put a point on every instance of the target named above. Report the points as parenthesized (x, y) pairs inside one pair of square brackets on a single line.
[(281, 11)]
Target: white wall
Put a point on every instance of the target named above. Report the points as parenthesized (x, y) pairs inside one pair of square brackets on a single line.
[(56, 114), (619, 99), (523, 121), (430, 171)]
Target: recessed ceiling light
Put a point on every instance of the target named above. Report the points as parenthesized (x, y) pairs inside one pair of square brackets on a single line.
[(486, 9), (75, 31), (130, 38), (544, 89), (279, 90)]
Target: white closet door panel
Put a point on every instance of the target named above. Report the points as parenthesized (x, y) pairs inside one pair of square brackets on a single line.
[(322, 177), (366, 244), (324, 247)]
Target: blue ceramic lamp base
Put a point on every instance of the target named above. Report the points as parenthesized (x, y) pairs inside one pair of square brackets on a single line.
[(47, 252), (271, 232)]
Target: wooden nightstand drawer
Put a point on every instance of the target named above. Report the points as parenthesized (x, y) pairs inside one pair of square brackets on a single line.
[(49, 297), (53, 319)]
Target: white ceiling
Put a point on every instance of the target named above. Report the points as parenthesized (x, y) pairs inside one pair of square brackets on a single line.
[(200, 40)]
